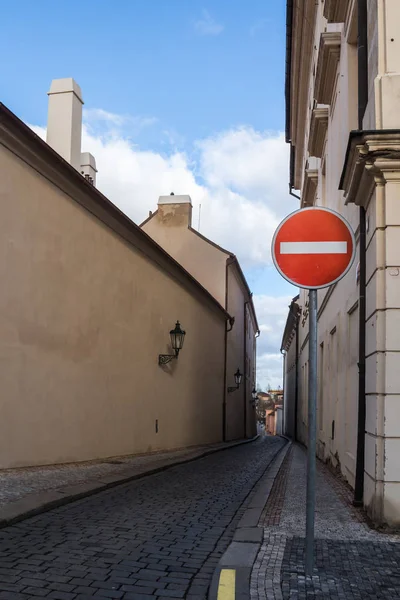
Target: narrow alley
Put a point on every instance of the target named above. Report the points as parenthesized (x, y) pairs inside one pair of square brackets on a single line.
[(160, 536)]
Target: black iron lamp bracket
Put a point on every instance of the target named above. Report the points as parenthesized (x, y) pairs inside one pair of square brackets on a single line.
[(164, 359), (232, 389)]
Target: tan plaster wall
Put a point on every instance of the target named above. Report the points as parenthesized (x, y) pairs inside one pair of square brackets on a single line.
[(169, 228), (83, 317), (235, 401)]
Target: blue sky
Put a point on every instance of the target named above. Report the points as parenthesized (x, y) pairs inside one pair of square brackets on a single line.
[(192, 94), (149, 57)]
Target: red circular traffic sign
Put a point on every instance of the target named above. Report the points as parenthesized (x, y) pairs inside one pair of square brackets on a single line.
[(313, 247)]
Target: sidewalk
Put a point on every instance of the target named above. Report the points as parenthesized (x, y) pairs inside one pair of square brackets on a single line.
[(28, 491), (352, 561)]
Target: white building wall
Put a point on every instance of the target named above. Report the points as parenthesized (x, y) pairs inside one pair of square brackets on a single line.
[(338, 307)]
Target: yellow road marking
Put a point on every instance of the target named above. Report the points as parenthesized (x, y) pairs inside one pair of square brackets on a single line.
[(226, 587)]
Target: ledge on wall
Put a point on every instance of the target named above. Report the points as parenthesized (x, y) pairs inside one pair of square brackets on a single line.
[(335, 11), (318, 127), (328, 60), (309, 187), (369, 156)]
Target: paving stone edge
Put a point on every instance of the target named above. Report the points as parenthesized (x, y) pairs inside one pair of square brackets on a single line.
[(242, 552), (35, 504)]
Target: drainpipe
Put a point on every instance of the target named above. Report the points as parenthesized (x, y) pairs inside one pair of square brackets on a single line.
[(283, 352), (244, 371), (362, 45), (296, 389), (231, 322)]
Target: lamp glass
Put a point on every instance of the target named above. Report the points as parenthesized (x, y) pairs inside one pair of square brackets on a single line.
[(177, 337), (254, 394), (238, 377)]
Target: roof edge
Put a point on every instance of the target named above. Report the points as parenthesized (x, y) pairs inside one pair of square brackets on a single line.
[(149, 218), (35, 152), (291, 322), (206, 239)]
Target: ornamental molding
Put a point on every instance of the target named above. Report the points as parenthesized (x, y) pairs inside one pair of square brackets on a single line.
[(372, 159), (318, 128), (302, 41), (335, 11), (309, 187), (328, 60)]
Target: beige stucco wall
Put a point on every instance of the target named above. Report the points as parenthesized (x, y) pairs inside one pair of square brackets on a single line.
[(235, 401), (83, 317), (169, 227), (251, 356)]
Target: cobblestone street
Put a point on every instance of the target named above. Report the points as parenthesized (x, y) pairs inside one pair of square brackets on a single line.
[(160, 536)]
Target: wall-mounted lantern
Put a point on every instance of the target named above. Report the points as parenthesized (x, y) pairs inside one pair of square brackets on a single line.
[(177, 338), (238, 379), (254, 397)]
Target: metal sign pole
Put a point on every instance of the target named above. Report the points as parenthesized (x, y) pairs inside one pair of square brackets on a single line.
[(312, 431)]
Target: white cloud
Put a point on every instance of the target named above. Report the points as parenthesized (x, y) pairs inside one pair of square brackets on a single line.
[(269, 370), (240, 179), (272, 313), (96, 119), (207, 25)]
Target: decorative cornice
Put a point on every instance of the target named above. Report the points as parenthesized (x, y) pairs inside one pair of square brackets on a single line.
[(291, 323), (301, 34), (318, 127), (335, 11), (372, 157), (328, 60), (309, 187)]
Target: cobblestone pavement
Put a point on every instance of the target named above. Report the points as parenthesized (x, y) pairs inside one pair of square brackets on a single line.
[(351, 560), (160, 536), (21, 482)]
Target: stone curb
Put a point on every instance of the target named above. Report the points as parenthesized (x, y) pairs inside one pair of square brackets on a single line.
[(242, 552), (35, 504)]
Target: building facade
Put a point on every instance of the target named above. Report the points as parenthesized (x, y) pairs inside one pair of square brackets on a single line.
[(87, 303), (343, 126), (218, 270)]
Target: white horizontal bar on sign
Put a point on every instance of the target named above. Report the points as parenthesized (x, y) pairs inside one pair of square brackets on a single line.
[(313, 247)]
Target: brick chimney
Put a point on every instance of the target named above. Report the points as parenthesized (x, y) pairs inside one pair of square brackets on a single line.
[(64, 124), (175, 211)]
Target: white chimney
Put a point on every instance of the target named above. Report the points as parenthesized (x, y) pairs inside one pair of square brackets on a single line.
[(64, 124), (88, 167)]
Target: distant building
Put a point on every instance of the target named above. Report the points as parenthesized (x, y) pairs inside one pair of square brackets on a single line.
[(218, 270)]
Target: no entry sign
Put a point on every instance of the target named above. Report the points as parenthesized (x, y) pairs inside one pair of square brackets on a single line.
[(313, 248)]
